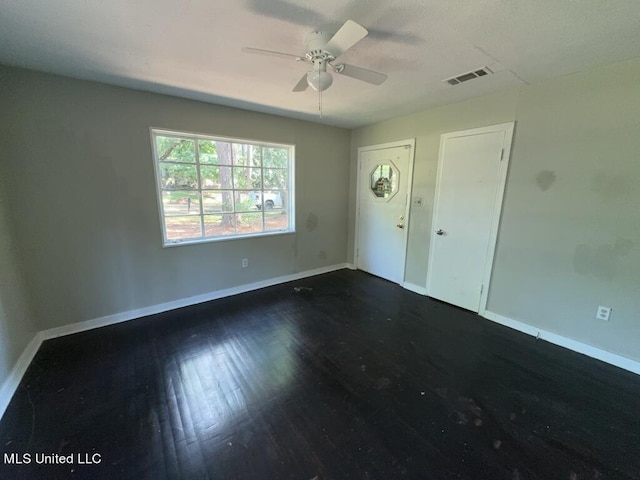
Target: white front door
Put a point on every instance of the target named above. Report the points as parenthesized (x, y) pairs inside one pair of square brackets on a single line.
[(472, 169), (384, 177)]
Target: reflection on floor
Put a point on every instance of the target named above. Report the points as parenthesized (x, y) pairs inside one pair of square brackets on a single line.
[(348, 377)]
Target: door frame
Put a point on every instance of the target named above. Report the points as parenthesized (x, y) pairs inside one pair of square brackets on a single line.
[(411, 144), (508, 129)]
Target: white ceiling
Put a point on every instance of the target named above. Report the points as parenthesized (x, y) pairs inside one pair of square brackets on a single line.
[(192, 48)]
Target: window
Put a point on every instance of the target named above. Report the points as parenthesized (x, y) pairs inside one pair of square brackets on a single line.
[(384, 181), (213, 188)]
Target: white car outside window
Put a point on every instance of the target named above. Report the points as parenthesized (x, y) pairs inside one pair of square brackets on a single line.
[(271, 200)]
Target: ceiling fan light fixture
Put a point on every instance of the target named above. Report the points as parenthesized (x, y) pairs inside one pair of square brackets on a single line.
[(319, 80)]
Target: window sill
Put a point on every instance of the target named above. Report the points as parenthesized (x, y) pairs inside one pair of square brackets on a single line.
[(199, 241)]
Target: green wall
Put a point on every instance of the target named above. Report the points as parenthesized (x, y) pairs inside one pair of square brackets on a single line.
[(569, 238), (16, 321), (80, 235), (78, 163)]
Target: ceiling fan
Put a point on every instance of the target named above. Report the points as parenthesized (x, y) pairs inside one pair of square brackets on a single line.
[(322, 51)]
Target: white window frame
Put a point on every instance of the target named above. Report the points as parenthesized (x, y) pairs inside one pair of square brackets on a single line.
[(206, 239)]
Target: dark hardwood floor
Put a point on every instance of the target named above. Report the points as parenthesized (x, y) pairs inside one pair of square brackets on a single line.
[(352, 378)]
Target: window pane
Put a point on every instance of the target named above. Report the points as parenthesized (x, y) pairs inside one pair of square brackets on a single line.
[(180, 228), (224, 151), (217, 202), (219, 225), (247, 155), (275, 178), (177, 176), (276, 220), (246, 178), (175, 149), (226, 179), (213, 178), (272, 199), (240, 154), (181, 202), (276, 157), (249, 222), (256, 156), (247, 201), (208, 152)]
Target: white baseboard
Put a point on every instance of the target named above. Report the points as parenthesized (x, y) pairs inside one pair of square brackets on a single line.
[(10, 385), (183, 302), (588, 350), (415, 288)]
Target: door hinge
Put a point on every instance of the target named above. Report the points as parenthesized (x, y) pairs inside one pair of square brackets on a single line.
[(357, 252), (502, 155), (481, 289)]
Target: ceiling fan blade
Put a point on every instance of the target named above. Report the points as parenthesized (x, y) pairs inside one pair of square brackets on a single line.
[(302, 85), (259, 51), (369, 76), (349, 34)]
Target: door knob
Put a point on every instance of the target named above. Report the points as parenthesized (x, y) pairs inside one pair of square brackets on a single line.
[(440, 232), (399, 225)]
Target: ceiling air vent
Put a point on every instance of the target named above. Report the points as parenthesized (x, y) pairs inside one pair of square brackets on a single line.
[(468, 76)]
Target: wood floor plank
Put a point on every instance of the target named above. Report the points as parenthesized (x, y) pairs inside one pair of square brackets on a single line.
[(349, 377)]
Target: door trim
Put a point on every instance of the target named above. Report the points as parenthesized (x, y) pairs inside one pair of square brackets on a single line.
[(508, 129), (411, 144)]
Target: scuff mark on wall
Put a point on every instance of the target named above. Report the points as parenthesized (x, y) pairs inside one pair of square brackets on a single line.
[(545, 179), (623, 246), (610, 186), (604, 262), (601, 261), (582, 259), (312, 222)]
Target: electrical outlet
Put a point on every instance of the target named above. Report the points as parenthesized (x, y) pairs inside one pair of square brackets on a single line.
[(245, 262), (603, 313)]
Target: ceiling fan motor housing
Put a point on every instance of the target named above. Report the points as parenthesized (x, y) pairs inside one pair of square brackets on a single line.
[(316, 41)]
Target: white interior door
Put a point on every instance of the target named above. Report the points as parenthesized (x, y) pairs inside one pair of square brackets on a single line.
[(472, 169), (384, 177)]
